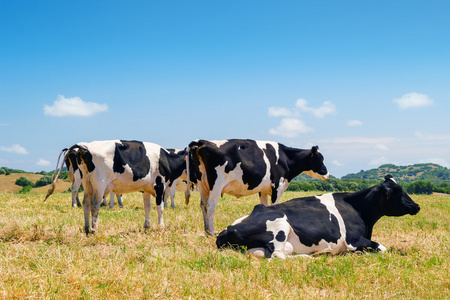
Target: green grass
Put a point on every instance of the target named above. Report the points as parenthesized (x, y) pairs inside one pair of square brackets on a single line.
[(45, 254)]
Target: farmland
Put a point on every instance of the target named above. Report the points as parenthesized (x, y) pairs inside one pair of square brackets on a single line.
[(45, 254)]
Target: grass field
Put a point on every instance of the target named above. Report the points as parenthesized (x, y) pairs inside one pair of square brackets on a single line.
[(45, 254)]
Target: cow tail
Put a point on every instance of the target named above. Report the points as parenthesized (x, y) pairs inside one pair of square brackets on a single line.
[(56, 174)]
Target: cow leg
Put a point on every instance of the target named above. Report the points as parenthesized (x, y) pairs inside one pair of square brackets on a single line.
[(204, 208), (147, 208), (75, 199), (213, 200), (172, 200), (103, 203), (111, 200), (119, 200), (159, 191), (364, 244), (95, 208), (263, 198), (87, 200)]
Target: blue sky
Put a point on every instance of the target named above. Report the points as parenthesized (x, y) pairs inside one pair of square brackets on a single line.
[(367, 81)]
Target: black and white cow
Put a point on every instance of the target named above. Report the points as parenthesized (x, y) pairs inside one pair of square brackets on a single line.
[(124, 167), (333, 223), (75, 177), (245, 167)]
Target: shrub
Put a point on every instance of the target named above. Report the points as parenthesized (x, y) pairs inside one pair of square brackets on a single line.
[(23, 181), (45, 180)]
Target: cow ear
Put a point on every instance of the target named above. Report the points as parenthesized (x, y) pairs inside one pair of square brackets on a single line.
[(314, 150), (386, 189)]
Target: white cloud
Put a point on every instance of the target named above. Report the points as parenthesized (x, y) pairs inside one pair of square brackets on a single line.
[(337, 163), (382, 147), (290, 127), (14, 149), (413, 100), (43, 162), (280, 112), (73, 107), (326, 108), (352, 123)]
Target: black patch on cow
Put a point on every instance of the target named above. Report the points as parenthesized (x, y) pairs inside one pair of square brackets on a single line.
[(83, 155), (251, 232), (171, 164), (281, 236), (159, 190), (133, 154), (251, 158)]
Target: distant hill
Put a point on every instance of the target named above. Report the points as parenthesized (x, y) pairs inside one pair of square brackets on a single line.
[(427, 172)]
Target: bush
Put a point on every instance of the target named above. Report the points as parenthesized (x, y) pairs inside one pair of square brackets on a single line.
[(26, 189), (45, 180), (23, 182)]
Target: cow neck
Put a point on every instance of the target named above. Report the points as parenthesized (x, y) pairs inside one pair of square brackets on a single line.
[(296, 159), (366, 203)]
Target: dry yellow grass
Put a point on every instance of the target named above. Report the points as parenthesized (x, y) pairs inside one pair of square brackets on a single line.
[(45, 254), (7, 183)]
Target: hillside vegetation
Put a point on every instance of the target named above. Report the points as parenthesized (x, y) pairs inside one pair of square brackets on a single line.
[(426, 172)]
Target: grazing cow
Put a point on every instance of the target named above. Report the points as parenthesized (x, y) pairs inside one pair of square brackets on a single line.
[(245, 167), (124, 167), (75, 177), (333, 223)]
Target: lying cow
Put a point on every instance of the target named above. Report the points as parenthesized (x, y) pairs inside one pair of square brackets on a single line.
[(333, 223), (245, 167), (124, 167)]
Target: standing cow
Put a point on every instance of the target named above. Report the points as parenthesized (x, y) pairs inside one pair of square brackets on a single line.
[(124, 167), (245, 167), (75, 177), (333, 223)]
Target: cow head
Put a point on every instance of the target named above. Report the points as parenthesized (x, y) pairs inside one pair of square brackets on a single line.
[(315, 166), (396, 202)]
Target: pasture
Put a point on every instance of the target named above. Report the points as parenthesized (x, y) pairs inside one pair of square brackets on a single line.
[(44, 253)]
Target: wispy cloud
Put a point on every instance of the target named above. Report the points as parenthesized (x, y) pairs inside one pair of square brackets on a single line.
[(280, 112), (14, 149), (290, 127), (73, 107), (337, 163), (413, 100), (43, 162), (320, 112), (353, 123)]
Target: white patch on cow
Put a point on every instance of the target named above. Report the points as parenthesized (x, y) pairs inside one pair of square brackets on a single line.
[(263, 145), (276, 226), (239, 220), (323, 245), (381, 248)]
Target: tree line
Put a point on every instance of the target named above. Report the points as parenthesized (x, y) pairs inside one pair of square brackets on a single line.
[(351, 185), (300, 183)]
